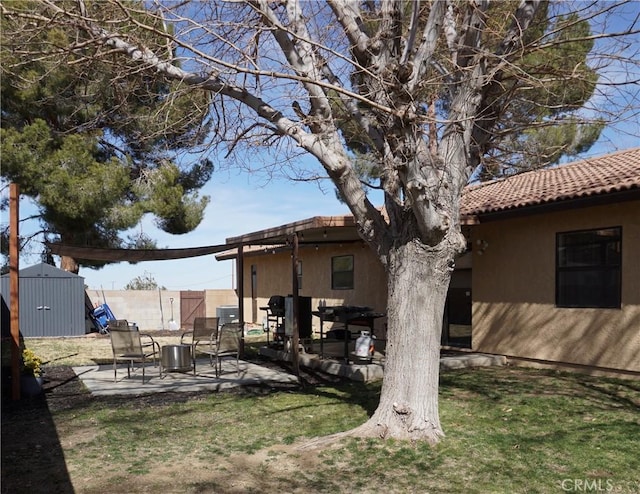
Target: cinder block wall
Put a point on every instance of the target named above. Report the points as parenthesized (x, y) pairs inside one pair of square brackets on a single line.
[(219, 298), (152, 309)]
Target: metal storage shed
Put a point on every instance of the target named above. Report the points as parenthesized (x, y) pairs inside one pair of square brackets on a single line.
[(51, 301)]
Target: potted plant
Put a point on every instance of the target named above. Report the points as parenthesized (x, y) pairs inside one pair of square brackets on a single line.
[(31, 375)]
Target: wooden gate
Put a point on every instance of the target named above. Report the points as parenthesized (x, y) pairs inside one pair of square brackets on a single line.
[(191, 306)]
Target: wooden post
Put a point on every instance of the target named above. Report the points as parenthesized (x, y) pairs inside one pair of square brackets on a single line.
[(240, 289), (14, 288), (295, 337)]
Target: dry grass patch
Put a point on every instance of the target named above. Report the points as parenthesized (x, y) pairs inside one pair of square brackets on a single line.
[(90, 349)]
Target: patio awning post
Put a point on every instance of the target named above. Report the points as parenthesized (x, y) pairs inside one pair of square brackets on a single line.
[(240, 282), (295, 337)]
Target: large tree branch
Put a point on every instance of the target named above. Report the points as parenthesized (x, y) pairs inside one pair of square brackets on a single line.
[(470, 33), (348, 14), (364, 120), (301, 57), (427, 47)]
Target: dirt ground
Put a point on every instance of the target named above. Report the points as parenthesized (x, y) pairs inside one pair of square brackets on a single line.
[(33, 459)]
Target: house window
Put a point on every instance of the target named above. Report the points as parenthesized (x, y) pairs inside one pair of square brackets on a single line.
[(588, 267), (342, 273)]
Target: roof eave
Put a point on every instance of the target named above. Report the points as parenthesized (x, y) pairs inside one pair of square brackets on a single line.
[(282, 233), (557, 205)]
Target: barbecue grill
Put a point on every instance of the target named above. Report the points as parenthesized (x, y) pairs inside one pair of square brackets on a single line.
[(275, 306), (275, 314)]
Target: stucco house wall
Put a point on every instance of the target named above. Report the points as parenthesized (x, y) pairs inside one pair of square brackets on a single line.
[(514, 311), (273, 276)]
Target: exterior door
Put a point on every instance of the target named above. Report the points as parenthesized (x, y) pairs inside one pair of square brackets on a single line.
[(191, 306), (456, 329)]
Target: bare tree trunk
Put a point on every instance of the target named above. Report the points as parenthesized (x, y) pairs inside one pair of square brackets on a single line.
[(418, 280)]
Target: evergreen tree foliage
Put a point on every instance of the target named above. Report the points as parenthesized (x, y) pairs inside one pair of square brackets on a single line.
[(95, 144), (540, 122)]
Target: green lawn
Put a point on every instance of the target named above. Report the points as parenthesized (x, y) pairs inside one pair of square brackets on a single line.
[(508, 430)]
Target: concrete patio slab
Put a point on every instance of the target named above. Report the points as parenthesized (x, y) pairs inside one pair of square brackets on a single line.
[(99, 378)]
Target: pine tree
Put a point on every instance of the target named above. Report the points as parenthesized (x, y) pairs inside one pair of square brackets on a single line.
[(94, 144)]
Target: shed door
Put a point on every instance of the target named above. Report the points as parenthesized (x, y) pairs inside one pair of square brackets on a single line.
[(48, 308), (37, 308), (51, 306), (45, 308), (191, 306)]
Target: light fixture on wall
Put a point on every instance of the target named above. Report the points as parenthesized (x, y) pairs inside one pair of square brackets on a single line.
[(482, 246)]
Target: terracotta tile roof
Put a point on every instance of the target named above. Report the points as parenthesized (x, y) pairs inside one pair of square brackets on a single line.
[(614, 172)]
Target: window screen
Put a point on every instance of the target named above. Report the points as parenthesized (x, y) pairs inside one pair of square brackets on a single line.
[(342, 273)]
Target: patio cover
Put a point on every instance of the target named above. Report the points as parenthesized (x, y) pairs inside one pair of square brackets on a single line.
[(316, 230), (134, 255)]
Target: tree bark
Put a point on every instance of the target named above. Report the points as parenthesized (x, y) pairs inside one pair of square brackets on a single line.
[(69, 264), (418, 280)]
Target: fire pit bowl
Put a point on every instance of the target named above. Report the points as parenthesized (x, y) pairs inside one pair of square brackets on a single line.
[(176, 358)]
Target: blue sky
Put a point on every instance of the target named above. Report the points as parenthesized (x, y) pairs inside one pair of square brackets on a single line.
[(237, 206)]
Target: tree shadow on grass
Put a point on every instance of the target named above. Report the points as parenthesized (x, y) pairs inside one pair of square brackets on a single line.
[(32, 456), (312, 382), (498, 384)]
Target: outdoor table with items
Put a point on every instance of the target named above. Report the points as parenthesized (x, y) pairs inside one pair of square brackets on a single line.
[(349, 316)]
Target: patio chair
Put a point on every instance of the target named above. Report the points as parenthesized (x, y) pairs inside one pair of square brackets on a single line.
[(131, 346), (228, 345), (204, 334), (117, 324)]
